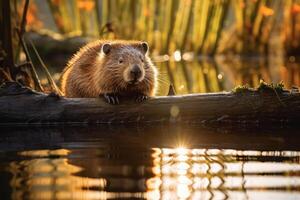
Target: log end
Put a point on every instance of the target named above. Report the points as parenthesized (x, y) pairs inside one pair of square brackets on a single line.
[(10, 88)]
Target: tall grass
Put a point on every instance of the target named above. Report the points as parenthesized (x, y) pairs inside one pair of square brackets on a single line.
[(254, 21), (203, 26), (167, 25), (292, 26)]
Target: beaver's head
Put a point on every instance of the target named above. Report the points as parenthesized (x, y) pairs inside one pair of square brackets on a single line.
[(127, 63)]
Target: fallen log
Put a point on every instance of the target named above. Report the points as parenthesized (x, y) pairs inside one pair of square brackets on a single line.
[(264, 105)]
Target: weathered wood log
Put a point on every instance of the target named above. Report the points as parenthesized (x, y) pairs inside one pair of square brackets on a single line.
[(22, 105), (47, 45)]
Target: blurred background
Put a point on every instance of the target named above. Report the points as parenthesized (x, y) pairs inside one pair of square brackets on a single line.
[(198, 45)]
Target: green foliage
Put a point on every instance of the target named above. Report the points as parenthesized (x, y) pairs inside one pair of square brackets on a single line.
[(262, 87), (242, 89)]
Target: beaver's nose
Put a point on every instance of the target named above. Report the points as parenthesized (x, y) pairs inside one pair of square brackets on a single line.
[(135, 72)]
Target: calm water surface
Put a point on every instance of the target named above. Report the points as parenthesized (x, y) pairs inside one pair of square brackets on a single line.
[(157, 162), (206, 74), (161, 162), (224, 73)]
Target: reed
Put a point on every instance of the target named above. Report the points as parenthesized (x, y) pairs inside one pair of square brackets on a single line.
[(205, 27), (291, 30), (254, 21), (167, 25)]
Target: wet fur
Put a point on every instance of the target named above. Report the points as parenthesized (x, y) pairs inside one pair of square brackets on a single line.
[(91, 73)]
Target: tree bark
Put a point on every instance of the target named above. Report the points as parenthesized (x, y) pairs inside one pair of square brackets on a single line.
[(24, 106), (6, 38)]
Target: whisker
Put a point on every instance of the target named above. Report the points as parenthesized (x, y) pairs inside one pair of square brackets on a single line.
[(163, 81)]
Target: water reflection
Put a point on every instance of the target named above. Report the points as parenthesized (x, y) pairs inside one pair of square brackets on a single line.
[(210, 74), (155, 173), (221, 174), (224, 73)]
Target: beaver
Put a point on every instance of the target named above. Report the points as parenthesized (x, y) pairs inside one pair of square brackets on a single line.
[(111, 69)]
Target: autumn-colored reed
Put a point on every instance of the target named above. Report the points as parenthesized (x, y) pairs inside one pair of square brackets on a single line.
[(204, 26)]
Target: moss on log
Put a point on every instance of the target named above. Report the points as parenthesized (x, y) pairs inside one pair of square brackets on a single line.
[(254, 107)]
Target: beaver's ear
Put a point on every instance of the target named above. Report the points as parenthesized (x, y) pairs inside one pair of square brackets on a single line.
[(106, 48), (144, 47)]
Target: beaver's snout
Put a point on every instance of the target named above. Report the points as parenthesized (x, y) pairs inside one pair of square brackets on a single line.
[(135, 74)]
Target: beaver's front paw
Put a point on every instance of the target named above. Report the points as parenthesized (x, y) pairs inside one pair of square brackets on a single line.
[(111, 98), (141, 97)]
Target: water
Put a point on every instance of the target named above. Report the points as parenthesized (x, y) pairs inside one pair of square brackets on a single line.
[(160, 162), (224, 73), (149, 162), (206, 74)]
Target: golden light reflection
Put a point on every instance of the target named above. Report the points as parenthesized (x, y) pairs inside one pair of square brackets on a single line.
[(205, 75), (42, 153), (174, 173), (182, 173), (41, 177), (174, 111), (177, 55)]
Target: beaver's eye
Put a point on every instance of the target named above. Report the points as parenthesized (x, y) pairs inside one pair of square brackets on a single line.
[(142, 59), (120, 61)]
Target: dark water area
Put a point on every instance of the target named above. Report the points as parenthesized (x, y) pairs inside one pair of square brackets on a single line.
[(149, 162)]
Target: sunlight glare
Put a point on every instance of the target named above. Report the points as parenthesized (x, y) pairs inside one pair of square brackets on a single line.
[(183, 191), (181, 168), (177, 55), (181, 151), (220, 76), (189, 56)]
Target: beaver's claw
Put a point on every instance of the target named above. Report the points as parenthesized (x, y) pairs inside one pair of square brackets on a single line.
[(141, 97), (111, 98)]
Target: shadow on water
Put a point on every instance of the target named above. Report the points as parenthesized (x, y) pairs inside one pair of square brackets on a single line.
[(163, 136), (149, 162)]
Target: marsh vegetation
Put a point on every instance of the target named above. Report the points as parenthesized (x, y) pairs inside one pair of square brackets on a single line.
[(239, 42)]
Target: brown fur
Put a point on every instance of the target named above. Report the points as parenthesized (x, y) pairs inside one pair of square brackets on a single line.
[(91, 72)]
